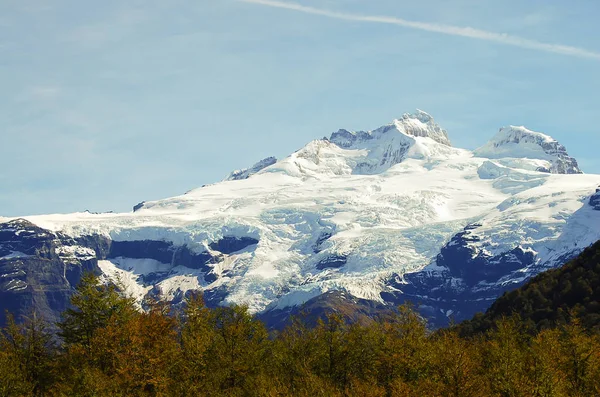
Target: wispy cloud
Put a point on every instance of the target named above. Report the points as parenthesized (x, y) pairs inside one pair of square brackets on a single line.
[(469, 32), (38, 94)]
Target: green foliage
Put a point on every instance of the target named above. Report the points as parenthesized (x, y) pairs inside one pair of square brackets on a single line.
[(551, 299), (111, 349), (238, 349), (26, 355), (93, 306)]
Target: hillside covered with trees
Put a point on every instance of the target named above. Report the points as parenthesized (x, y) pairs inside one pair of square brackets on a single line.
[(106, 347), (550, 299)]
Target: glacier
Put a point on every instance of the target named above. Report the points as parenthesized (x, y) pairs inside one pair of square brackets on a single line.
[(386, 215)]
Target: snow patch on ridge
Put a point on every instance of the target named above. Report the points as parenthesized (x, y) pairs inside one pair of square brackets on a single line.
[(520, 143)]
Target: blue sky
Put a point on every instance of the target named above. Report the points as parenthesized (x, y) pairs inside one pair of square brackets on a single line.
[(105, 104)]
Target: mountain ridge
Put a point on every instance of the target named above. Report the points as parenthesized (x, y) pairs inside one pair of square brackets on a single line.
[(369, 218)]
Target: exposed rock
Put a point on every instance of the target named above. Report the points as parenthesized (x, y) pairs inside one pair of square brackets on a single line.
[(519, 142), (183, 256), (248, 172), (422, 124), (161, 251), (595, 200), (346, 139), (324, 236), (391, 144), (39, 270), (138, 206), (351, 309), (332, 261), (418, 124), (230, 244), (462, 280)]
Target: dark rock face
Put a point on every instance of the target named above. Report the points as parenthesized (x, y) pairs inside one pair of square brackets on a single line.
[(351, 309), (324, 236), (463, 281), (39, 269), (461, 263), (214, 296), (345, 139), (229, 244), (248, 172), (22, 236), (157, 250), (562, 163), (595, 200), (138, 206), (565, 163), (100, 244), (164, 252), (184, 257), (331, 261)]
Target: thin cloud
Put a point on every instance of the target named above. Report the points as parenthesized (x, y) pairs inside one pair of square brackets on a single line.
[(472, 33)]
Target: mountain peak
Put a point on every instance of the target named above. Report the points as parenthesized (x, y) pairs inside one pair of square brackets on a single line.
[(520, 142), (418, 124), (518, 134), (422, 124)]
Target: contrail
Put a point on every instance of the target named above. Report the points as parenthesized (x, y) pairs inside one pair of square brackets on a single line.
[(438, 28)]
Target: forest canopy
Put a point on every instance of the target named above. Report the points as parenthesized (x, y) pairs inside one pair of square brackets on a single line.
[(106, 347)]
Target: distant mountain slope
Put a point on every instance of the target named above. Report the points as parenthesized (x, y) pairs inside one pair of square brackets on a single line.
[(551, 298), (387, 215), (349, 308)]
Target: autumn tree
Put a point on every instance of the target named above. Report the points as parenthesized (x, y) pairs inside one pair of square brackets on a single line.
[(92, 305), (26, 356), (238, 352), (139, 354), (402, 359), (580, 360), (456, 364), (196, 338), (505, 359)]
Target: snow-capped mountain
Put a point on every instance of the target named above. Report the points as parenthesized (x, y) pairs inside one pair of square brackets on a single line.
[(385, 215)]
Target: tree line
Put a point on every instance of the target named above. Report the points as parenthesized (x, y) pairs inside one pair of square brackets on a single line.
[(104, 346)]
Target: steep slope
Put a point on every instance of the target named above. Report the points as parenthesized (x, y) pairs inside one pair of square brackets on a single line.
[(385, 215), (39, 269), (530, 232), (551, 298), (349, 308), (248, 172)]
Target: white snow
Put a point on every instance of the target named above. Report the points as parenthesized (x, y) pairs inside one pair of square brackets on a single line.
[(516, 142), (518, 147), (15, 255), (15, 285), (391, 199), (75, 252)]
